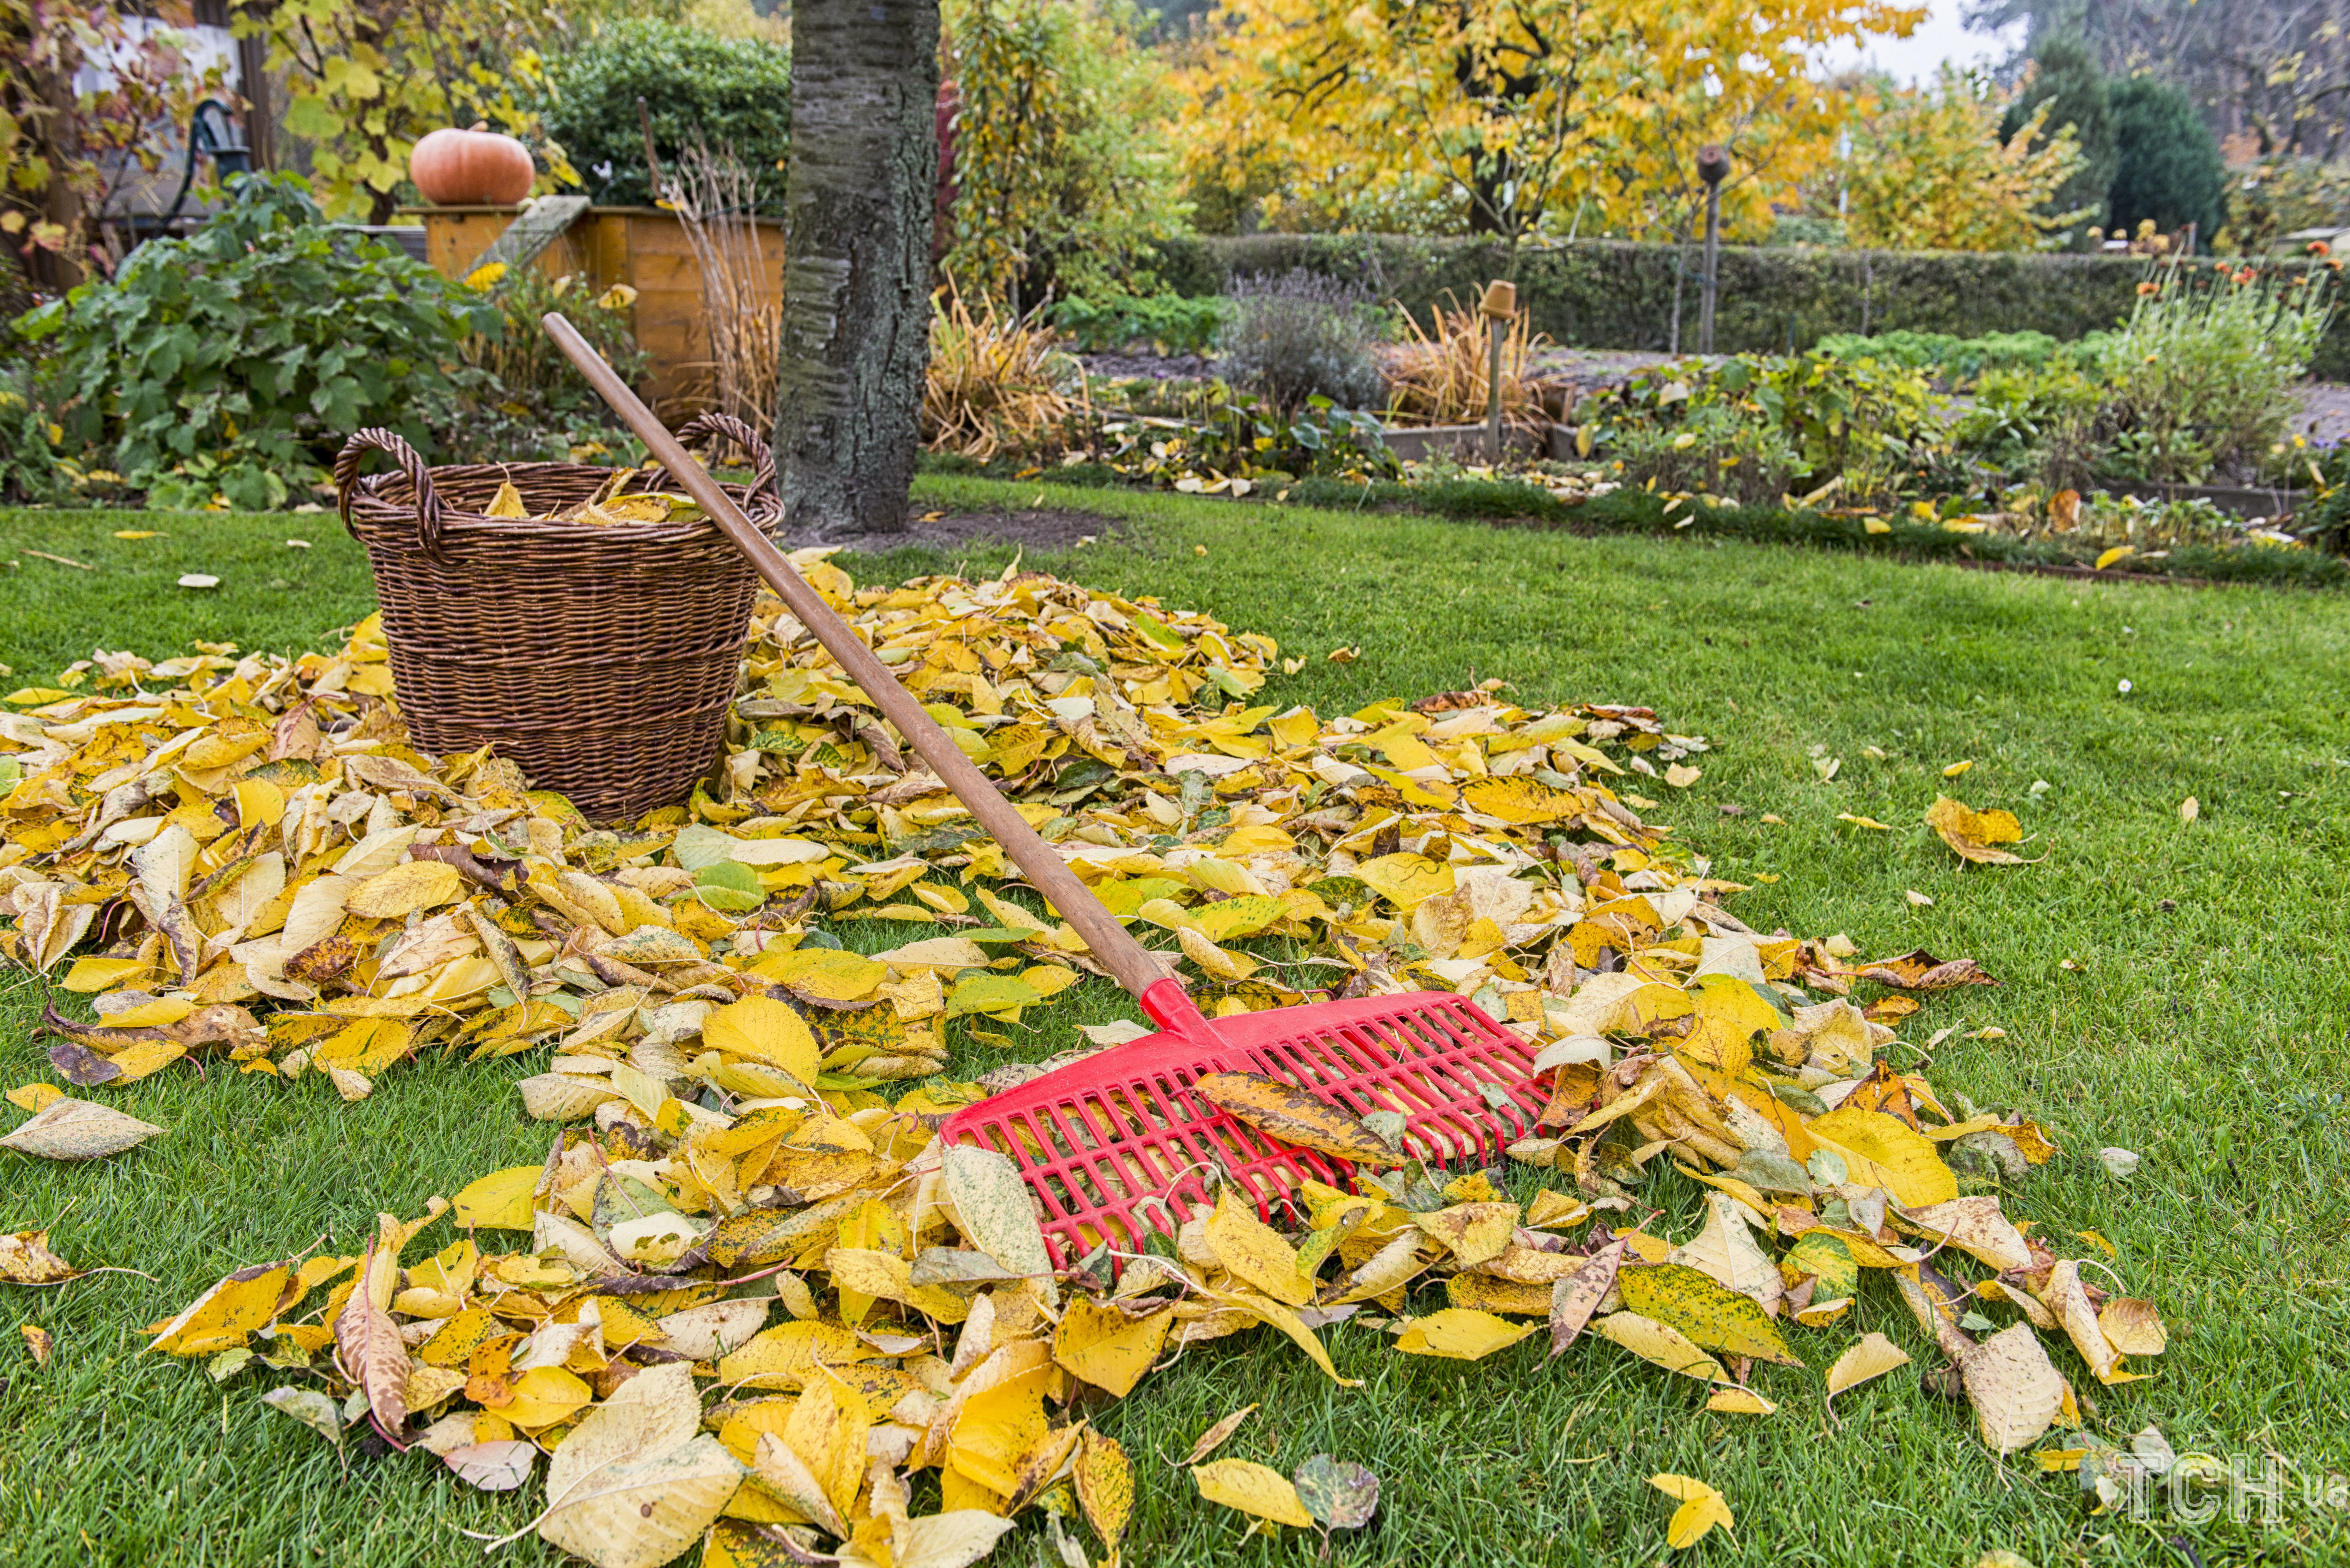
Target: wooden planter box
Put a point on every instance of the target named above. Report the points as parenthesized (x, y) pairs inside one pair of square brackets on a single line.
[(1462, 444), (643, 247)]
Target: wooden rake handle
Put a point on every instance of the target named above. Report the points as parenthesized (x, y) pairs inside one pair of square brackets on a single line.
[(1143, 974)]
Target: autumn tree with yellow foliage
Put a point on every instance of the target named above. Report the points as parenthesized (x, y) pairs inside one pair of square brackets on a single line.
[(1929, 171), (1509, 116)]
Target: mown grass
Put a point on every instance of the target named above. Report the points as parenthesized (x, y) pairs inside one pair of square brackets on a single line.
[(2201, 1025)]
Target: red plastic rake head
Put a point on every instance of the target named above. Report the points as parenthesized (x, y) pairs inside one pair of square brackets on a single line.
[(1119, 1144)]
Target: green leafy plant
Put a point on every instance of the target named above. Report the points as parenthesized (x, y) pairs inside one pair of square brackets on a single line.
[(1865, 426), (2199, 380), (1063, 170), (734, 94), (1227, 440), (1957, 361), (536, 384), (1722, 448), (1170, 323), (235, 361)]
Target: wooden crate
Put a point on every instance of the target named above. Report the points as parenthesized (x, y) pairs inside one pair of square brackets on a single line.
[(643, 247)]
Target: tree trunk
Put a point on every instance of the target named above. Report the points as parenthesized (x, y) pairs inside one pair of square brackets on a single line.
[(856, 274)]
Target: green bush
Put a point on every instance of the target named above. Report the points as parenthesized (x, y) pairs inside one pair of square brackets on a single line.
[(1109, 321), (1865, 424), (731, 94), (2166, 163), (235, 361), (2199, 383), (29, 466), (1607, 293)]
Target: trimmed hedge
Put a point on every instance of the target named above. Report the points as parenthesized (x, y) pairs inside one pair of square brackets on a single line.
[(1613, 293)]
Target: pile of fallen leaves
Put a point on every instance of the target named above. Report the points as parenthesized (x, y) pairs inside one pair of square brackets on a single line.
[(746, 1205)]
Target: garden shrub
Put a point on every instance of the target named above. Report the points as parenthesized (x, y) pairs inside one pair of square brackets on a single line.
[(734, 94), (234, 362), (2199, 382), (542, 405), (1110, 321), (2168, 166), (1719, 450), (1861, 424), (1296, 335)]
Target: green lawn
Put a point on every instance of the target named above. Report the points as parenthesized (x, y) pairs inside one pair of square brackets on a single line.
[(2201, 1025)]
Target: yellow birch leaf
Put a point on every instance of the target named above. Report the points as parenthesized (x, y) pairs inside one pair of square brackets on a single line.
[(1871, 1356), (1251, 1489), (499, 1202), (1701, 1507), (766, 1030), (1460, 1334), (1652, 1341), (1740, 1402), (1881, 1150), (2015, 1390), (1404, 879), (406, 888), (1709, 1314), (1105, 1483), (1295, 1117), (1254, 1251), (224, 1317), (1107, 1348)]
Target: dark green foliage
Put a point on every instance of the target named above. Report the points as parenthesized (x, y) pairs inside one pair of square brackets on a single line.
[(235, 361), (2167, 161), (1605, 294), (2066, 72), (732, 94)]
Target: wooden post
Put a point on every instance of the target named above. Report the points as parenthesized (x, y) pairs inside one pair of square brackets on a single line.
[(1501, 309), (1713, 166)]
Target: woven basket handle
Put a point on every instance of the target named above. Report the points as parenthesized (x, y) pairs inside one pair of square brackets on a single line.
[(429, 508), (706, 427)]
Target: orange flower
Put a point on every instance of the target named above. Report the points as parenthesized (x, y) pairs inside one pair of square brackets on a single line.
[(2320, 248), (2245, 276), (2147, 288)]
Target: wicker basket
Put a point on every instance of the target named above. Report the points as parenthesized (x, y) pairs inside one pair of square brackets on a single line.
[(600, 659)]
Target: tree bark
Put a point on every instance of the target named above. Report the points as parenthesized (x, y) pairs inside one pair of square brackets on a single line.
[(860, 194)]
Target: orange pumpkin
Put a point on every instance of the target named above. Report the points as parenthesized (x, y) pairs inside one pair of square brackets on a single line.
[(476, 168)]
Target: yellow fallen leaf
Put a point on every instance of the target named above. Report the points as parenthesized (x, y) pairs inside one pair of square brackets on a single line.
[(1701, 1507), (1871, 1356), (1460, 1334), (499, 1202), (1109, 1348), (766, 1031), (1740, 1402), (1652, 1341), (1251, 1489), (1955, 769)]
